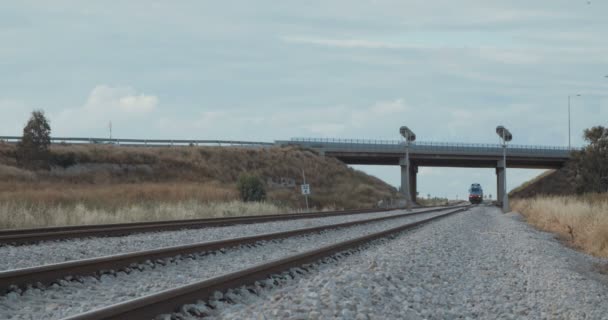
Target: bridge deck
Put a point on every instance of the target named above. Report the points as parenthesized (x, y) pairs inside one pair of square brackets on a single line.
[(377, 152)]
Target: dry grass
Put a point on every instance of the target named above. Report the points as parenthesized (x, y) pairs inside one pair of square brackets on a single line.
[(104, 184), (582, 220), (432, 202), (112, 196), (29, 215), (333, 183), (8, 173)]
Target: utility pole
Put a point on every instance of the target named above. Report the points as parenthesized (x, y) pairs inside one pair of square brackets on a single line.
[(569, 143), (569, 125)]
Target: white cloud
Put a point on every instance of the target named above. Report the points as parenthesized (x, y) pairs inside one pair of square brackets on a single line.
[(121, 105), (123, 99)]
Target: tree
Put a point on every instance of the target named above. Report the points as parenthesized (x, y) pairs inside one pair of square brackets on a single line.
[(251, 188), (592, 161), (33, 149)]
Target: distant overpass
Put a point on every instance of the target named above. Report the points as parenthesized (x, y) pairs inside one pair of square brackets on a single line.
[(433, 154), (379, 152)]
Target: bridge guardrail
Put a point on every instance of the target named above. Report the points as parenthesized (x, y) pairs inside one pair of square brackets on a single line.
[(142, 142), (396, 145)]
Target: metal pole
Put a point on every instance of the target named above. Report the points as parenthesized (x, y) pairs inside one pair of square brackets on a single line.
[(505, 198), (407, 175), (569, 142)]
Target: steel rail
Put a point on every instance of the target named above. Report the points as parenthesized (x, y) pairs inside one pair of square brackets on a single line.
[(129, 224), (48, 274), (171, 300), (25, 236)]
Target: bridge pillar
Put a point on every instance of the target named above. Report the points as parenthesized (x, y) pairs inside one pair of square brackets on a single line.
[(413, 180), (404, 181), (500, 181)]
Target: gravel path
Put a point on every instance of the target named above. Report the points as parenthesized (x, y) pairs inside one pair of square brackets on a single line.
[(481, 264), (74, 297), (14, 257)]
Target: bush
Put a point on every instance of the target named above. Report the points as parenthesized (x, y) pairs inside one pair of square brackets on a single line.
[(251, 188), (592, 162), (65, 160), (33, 149)]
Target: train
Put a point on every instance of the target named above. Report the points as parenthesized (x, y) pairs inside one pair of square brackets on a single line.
[(475, 193)]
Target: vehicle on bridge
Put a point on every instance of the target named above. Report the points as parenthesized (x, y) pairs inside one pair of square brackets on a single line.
[(475, 193)]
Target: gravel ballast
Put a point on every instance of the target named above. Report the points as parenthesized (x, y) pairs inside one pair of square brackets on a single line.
[(73, 297), (475, 265), (14, 257)]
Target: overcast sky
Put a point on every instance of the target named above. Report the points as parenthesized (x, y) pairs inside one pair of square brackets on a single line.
[(268, 70)]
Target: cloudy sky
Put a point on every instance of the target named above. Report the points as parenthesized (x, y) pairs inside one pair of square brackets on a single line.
[(267, 70)]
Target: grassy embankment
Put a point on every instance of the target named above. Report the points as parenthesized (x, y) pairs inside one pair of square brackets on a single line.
[(110, 184), (580, 220)]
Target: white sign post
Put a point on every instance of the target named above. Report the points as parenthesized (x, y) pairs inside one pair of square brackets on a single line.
[(305, 187)]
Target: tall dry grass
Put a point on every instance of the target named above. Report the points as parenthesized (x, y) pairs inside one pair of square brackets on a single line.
[(582, 220), (15, 214), (28, 205), (105, 183), (113, 195)]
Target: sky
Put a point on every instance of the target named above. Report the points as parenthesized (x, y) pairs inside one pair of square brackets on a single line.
[(271, 70)]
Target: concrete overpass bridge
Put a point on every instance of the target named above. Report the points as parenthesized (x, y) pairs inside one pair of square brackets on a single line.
[(381, 152), (432, 154)]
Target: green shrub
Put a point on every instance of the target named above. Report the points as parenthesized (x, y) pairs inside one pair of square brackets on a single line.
[(251, 188)]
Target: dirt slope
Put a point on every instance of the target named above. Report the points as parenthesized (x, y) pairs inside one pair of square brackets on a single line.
[(552, 182)]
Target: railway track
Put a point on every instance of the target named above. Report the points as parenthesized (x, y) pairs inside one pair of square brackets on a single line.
[(170, 300), (46, 274), (27, 236)]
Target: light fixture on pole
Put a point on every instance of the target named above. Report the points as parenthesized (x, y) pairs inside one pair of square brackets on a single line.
[(409, 136), (506, 136), (569, 135)]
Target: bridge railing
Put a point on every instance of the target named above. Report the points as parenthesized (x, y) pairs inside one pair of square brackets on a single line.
[(143, 142), (396, 145)]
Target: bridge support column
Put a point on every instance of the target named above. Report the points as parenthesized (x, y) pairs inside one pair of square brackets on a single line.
[(404, 180), (500, 181), (413, 181)]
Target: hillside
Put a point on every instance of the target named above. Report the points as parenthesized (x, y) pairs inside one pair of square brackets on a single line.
[(115, 179), (551, 182)]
